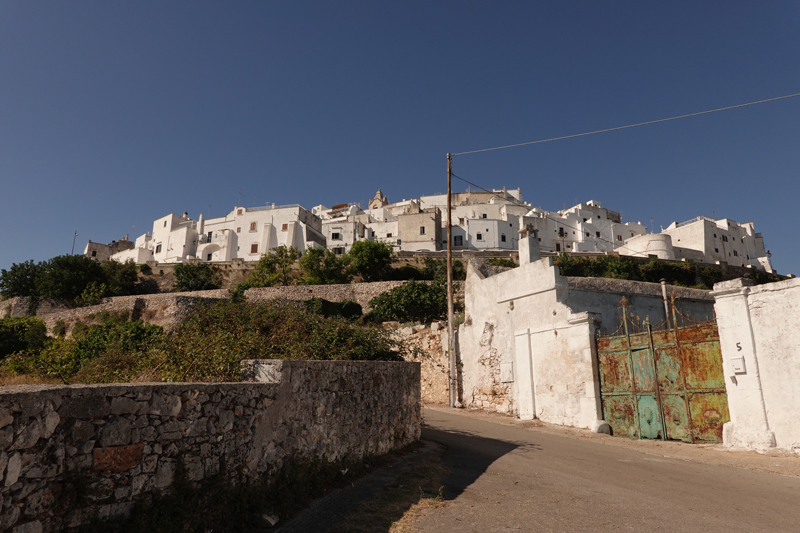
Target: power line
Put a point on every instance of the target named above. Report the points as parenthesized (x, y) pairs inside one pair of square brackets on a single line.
[(629, 125)]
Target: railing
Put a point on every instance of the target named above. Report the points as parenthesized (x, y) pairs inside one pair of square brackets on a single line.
[(695, 219)]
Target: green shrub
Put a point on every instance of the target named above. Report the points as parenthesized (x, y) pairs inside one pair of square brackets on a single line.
[(319, 266), (372, 260), (60, 329), (274, 268), (414, 301), (502, 262), (21, 334), (146, 269), (194, 277), (435, 268)]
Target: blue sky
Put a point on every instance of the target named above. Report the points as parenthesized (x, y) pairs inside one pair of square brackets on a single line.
[(113, 114)]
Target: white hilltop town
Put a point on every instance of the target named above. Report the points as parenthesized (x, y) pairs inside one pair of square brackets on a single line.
[(482, 221)]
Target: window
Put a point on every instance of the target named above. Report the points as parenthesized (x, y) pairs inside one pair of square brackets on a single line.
[(584, 220), (460, 221), (558, 247), (479, 237), (388, 235), (484, 215), (338, 250), (94, 253), (208, 257), (238, 211), (210, 233), (165, 223), (254, 248), (285, 227), (716, 250), (502, 237), (735, 253), (158, 248), (422, 230), (252, 226), (725, 238), (336, 236), (587, 234), (458, 240), (398, 242), (597, 234), (715, 235), (619, 237), (238, 230)]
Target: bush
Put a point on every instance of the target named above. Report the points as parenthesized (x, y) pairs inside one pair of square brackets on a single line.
[(372, 260), (274, 268), (21, 334), (347, 309), (415, 301), (194, 277), (20, 280), (319, 266), (502, 262), (435, 268)]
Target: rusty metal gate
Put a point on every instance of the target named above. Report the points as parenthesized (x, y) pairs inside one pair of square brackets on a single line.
[(663, 382)]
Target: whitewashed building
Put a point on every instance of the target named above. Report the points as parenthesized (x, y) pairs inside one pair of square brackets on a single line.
[(245, 233)]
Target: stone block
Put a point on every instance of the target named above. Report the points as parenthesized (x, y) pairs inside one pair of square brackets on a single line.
[(116, 432), (6, 417), (88, 407), (13, 469), (117, 459), (29, 435), (127, 406), (29, 527)]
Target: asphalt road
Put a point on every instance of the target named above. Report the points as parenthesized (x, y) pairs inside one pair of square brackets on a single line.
[(505, 478)]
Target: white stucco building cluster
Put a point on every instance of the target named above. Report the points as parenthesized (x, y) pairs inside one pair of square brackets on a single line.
[(482, 221), (245, 233)]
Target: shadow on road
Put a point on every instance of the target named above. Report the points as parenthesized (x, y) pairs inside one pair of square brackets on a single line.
[(467, 456)]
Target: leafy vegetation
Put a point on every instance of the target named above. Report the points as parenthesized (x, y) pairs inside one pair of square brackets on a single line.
[(372, 260), (319, 266), (274, 268), (74, 278), (208, 346), (415, 301), (502, 262), (194, 277)]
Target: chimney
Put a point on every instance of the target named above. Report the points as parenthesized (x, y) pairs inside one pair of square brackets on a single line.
[(200, 220), (528, 246), (126, 236)]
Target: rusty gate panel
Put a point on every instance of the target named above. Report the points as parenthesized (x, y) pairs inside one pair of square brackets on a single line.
[(663, 383)]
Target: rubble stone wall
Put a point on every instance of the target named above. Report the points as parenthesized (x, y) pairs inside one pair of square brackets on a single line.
[(123, 443), (360, 293), (432, 354)]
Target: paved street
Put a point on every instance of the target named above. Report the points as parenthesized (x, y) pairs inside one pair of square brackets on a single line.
[(505, 477)]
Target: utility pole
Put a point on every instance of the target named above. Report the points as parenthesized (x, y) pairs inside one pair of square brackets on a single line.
[(450, 336), (73, 243)]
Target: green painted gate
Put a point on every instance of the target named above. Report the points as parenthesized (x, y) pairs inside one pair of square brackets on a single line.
[(663, 383)]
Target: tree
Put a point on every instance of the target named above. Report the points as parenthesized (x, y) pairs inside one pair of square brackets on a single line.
[(20, 280), (323, 267), (371, 259), (194, 277), (65, 277), (121, 278), (274, 267)]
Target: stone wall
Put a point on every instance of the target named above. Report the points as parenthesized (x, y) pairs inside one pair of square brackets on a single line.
[(123, 443), (430, 343), (360, 293), (166, 310)]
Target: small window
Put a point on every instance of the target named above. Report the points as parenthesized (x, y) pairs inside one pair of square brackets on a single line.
[(748, 256), (597, 234), (716, 250), (735, 253), (285, 227), (210, 233), (158, 248), (461, 221), (398, 242), (238, 211), (336, 236), (458, 240), (238, 230), (715, 235), (253, 226), (619, 237), (584, 220), (484, 215), (479, 237), (254, 248), (558, 247), (388, 235), (208, 257), (338, 250), (502, 237), (94, 253), (422, 230), (725, 238), (598, 216), (165, 223), (587, 234)]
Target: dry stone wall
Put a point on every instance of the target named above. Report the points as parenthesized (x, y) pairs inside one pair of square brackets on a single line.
[(166, 310), (360, 293), (123, 443), (430, 351)]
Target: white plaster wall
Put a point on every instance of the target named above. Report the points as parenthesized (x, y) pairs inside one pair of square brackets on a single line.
[(657, 244), (760, 325)]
